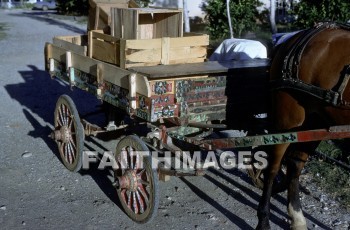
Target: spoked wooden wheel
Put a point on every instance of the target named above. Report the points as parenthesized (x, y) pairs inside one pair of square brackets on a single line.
[(136, 181), (68, 133)]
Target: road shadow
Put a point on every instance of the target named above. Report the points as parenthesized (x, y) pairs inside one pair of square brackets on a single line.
[(47, 18), (38, 94), (235, 219), (100, 177), (256, 196), (239, 222)]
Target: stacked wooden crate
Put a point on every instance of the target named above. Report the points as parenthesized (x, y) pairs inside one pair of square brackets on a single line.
[(146, 23), (147, 37), (100, 12), (128, 53)]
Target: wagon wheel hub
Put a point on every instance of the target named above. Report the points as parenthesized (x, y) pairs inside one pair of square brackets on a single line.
[(129, 180), (63, 134)]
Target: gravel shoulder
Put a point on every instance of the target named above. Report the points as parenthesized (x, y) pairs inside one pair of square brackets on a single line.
[(37, 192)]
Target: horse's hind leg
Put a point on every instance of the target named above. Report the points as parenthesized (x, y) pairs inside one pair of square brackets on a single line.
[(295, 163), (270, 173)]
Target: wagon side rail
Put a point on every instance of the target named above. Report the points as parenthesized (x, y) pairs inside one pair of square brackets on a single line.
[(94, 76)]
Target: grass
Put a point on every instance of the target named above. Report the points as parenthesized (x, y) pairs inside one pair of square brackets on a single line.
[(332, 178), (3, 28)]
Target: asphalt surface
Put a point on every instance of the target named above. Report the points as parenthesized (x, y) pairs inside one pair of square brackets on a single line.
[(38, 192)]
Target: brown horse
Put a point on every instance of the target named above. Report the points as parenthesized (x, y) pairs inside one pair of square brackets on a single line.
[(309, 74)]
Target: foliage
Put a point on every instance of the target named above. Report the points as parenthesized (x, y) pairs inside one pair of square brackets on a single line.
[(143, 3), (244, 15), (3, 28), (309, 12), (73, 7), (330, 177)]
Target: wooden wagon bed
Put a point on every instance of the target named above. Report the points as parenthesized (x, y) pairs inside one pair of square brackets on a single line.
[(203, 68)]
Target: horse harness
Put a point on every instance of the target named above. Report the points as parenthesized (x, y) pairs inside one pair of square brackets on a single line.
[(290, 71)]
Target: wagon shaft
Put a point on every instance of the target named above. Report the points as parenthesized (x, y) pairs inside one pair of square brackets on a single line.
[(334, 132)]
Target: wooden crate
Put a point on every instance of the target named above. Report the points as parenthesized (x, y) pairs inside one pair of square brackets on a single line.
[(104, 47), (146, 23), (126, 53), (100, 12), (77, 44)]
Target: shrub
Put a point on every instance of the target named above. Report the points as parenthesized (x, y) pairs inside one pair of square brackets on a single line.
[(244, 15), (309, 12)]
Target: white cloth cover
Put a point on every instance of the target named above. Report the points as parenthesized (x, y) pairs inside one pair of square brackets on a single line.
[(239, 49)]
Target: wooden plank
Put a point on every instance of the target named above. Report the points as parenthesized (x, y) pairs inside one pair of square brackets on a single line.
[(117, 23), (140, 64), (114, 75), (143, 44), (187, 53), (58, 53), (92, 17), (179, 78), (198, 40), (48, 56), (212, 67), (72, 43), (165, 51), (100, 35), (79, 40), (130, 24), (93, 3), (144, 56), (186, 60), (142, 85), (105, 51), (122, 53), (90, 50), (162, 56), (154, 10), (145, 31), (97, 17), (167, 25)]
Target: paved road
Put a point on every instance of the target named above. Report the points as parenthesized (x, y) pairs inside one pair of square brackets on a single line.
[(37, 192)]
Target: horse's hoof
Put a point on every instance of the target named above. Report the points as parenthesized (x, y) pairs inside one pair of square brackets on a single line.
[(298, 227)]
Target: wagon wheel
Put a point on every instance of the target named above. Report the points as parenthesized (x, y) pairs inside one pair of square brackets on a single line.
[(136, 181), (257, 176), (68, 133)]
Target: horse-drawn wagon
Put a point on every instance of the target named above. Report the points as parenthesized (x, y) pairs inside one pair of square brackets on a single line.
[(141, 65)]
